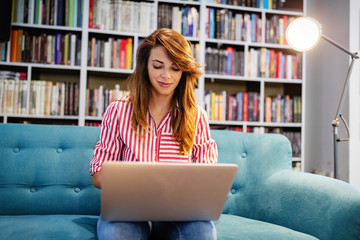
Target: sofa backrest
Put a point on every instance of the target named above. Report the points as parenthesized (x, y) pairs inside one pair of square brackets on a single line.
[(258, 156), (44, 169)]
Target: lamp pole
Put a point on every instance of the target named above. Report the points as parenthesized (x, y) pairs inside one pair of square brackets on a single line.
[(336, 122)]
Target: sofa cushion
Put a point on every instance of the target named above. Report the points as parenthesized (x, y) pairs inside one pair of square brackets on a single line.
[(231, 227), (44, 227)]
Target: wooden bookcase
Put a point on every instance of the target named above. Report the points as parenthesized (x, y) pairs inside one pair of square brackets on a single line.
[(97, 68)]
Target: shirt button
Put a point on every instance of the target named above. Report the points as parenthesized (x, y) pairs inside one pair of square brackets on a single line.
[(16, 150), (59, 150), (77, 190)]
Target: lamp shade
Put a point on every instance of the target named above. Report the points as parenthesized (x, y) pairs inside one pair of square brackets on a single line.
[(303, 33)]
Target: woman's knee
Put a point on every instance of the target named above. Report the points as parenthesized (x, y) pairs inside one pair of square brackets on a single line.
[(196, 230), (122, 230)]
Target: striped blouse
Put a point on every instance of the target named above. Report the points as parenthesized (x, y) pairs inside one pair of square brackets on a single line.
[(118, 141)]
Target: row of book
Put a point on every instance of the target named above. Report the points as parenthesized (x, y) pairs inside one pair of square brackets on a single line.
[(283, 5), (93, 124), (13, 75), (110, 53), (65, 49), (245, 106), (45, 97), (184, 20), (230, 25), (123, 16), (54, 98), (275, 29), (11, 90), (45, 48), (97, 99), (229, 61), (293, 136), (266, 4), (48, 12), (244, 3), (284, 109), (270, 63), (118, 53), (13, 94)]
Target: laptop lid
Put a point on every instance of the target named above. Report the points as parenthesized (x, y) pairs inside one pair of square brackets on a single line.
[(164, 192)]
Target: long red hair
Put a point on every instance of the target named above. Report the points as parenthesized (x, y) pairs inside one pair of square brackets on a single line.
[(179, 51)]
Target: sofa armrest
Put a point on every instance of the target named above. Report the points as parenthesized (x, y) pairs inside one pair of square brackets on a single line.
[(320, 206)]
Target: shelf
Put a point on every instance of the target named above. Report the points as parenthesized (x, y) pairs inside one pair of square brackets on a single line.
[(189, 3), (116, 33), (39, 116), (47, 27), (233, 7), (252, 79), (256, 124), (40, 65), (88, 77), (109, 70)]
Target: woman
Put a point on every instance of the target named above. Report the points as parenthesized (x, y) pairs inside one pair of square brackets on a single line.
[(158, 122)]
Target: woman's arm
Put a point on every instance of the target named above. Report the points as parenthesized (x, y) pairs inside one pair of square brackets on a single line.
[(204, 149), (109, 146)]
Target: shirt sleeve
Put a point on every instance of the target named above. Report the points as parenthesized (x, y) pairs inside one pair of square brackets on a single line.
[(109, 146), (204, 149)]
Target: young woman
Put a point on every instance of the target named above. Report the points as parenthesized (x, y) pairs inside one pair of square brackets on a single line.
[(158, 122)]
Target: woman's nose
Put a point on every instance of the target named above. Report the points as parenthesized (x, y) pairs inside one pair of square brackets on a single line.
[(166, 74)]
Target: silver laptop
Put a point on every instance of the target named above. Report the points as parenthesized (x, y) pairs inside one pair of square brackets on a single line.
[(164, 192)]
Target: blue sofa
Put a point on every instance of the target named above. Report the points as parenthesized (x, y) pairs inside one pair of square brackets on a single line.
[(46, 190)]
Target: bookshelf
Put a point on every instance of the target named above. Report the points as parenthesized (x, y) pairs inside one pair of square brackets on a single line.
[(102, 51)]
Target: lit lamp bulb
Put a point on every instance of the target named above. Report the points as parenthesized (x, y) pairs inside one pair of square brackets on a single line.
[(303, 33)]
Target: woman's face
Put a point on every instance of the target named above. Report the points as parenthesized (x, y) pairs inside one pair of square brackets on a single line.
[(164, 75)]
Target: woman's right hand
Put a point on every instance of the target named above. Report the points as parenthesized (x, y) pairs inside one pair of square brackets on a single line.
[(96, 179)]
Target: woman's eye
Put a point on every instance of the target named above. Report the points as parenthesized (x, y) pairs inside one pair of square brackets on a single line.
[(176, 69), (157, 67)]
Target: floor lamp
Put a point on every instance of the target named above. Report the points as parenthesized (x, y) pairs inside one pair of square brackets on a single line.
[(303, 34)]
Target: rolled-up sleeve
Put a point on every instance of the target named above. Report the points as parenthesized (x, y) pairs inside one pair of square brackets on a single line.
[(205, 148), (109, 146)]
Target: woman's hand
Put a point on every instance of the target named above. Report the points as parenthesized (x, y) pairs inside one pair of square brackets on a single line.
[(96, 179)]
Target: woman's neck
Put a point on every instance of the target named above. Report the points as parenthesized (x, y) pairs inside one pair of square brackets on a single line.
[(159, 107)]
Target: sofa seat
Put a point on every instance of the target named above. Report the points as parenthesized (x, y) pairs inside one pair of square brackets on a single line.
[(236, 227), (45, 227), (84, 227)]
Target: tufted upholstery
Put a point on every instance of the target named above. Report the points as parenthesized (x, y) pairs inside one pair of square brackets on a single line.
[(255, 166), (46, 190), (44, 170)]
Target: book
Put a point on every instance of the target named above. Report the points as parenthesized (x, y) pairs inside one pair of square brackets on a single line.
[(245, 106), (268, 109), (122, 53), (229, 60), (14, 45), (129, 52)]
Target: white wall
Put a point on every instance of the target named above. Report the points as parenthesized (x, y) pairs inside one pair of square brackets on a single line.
[(354, 96), (326, 69)]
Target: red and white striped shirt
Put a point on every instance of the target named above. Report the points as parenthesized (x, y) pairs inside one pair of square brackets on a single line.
[(118, 141)]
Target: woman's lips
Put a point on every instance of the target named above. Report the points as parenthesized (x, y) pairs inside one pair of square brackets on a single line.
[(164, 85)]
